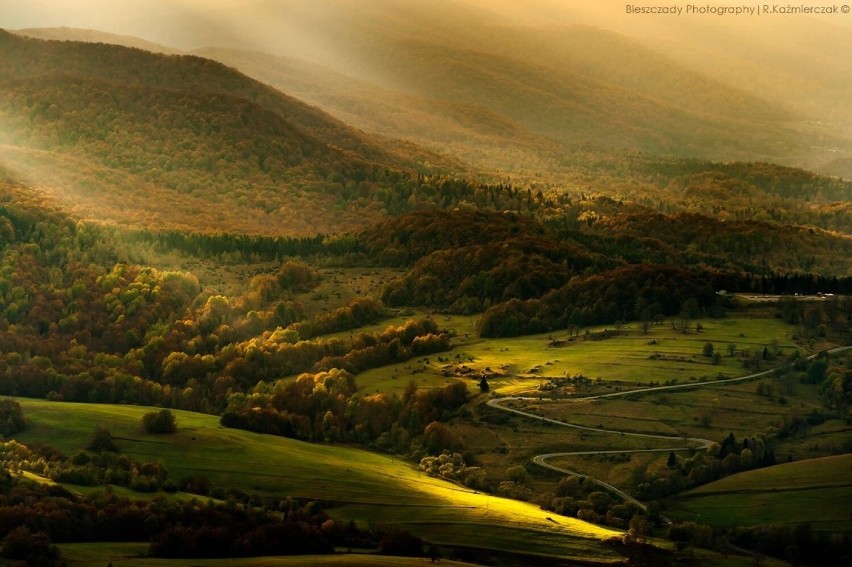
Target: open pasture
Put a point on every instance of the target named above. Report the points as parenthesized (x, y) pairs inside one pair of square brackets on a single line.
[(710, 411), (522, 364), (364, 486), (661, 355), (817, 491)]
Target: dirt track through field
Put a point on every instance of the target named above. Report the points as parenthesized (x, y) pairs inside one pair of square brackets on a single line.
[(684, 443)]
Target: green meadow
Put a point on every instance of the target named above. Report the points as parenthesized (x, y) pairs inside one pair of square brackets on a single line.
[(523, 363), (817, 491), (710, 411), (363, 486), (371, 488)]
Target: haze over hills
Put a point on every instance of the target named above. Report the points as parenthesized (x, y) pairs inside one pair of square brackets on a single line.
[(568, 75), (562, 256), (108, 128), (64, 33), (94, 122)]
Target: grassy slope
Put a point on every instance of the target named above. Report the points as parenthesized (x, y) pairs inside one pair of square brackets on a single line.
[(818, 491), (622, 358), (732, 408), (367, 486), (705, 412)]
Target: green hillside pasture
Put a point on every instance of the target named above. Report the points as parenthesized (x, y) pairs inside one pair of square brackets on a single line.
[(133, 555), (518, 440), (709, 412), (830, 438), (396, 377), (364, 486), (661, 355), (628, 357), (818, 491)]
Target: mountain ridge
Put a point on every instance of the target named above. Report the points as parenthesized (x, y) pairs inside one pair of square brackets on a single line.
[(195, 127), (548, 83)]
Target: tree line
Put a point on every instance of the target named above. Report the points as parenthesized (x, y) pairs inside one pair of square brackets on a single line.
[(328, 406)]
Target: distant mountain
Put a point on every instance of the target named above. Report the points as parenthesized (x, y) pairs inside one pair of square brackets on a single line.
[(570, 86), (278, 166), (184, 141), (555, 70), (485, 139), (512, 95), (95, 36), (561, 108)]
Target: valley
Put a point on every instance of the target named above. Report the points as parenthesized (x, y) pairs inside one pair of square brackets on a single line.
[(300, 283)]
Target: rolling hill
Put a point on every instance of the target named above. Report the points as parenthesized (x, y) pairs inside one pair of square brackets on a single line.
[(358, 484), (95, 36), (441, 108), (814, 491), (325, 234), (554, 86), (563, 73), (571, 85), (96, 124)]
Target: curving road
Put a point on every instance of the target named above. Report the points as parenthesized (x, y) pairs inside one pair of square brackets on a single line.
[(686, 443)]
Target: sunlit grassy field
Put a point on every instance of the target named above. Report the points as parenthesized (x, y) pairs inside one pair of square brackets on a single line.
[(525, 362), (365, 486), (818, 491), (369, 487)]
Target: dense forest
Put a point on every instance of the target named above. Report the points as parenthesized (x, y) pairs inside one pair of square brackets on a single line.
[(188, 130), (458, 264), (81, 325)]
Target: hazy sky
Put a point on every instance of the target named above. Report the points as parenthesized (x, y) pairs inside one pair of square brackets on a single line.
[(161, 20)]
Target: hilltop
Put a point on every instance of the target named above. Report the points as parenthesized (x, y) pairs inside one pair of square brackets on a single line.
[(514, 97), (574, 76), (181, 141)]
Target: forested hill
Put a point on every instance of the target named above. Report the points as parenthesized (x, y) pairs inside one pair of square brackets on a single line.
[(512, 102), (184, 142), (470, 261)]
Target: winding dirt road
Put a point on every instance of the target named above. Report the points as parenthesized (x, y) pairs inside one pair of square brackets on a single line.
[(684, 443)]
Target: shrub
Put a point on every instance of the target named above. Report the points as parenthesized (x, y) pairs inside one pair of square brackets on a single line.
[(517, 474), (159, 422), (35, 548), (102, 441), (11, 417)]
